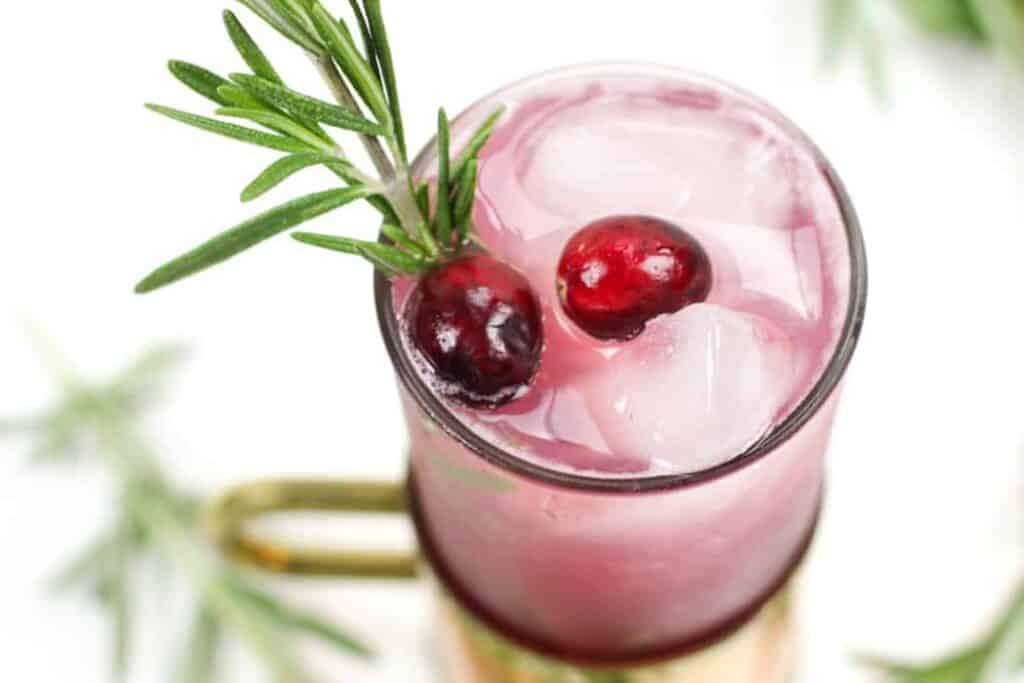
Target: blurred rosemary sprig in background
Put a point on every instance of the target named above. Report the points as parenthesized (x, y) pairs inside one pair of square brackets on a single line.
[(996, 25), (154, 522)]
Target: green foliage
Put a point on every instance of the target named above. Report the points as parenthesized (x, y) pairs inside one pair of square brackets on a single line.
[(369, 45), (278, 122), (392, 260), (951, 17), (250, 52), (205, 640), (230, 130), (156, 523), (443, 219), (199, 80), (308, 107), (387, 70), (464, 200), (248, 234), (418, 239), (400, 239), (355, 67), (997, 25), (477, 142), (280, 171), (1002, 25)]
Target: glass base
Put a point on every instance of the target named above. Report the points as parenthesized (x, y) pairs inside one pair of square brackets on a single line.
[(761, 651)]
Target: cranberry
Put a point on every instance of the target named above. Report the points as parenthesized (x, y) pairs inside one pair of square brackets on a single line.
[(477, 322), (620, 272)]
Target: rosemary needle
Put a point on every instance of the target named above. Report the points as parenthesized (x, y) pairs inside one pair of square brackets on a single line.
[(360, 75), (156, 523)]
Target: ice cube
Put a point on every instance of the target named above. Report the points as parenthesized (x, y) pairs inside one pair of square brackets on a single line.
[(624, 153), (722, 171), (696, 389)]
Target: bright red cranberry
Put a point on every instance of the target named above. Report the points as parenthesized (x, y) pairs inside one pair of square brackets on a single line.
[(477, 322), (620, 272)]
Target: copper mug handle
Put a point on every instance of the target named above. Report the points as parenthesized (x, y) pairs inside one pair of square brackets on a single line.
[(228, 515)]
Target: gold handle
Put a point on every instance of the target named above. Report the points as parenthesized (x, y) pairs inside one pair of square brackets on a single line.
[(228, 514)]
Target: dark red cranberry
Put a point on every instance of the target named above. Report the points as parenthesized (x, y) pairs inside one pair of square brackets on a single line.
[(620, 272), (477, 322)]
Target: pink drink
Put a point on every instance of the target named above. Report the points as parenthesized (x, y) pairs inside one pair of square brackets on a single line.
[(622, 509)]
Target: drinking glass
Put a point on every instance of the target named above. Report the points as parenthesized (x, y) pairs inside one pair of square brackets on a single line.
[(549, 574)]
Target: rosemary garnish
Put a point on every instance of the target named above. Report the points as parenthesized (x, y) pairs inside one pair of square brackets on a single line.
[(97, 423), (364, 86)]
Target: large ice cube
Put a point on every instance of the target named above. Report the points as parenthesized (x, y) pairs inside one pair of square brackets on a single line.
[(695, 390), (628, 154)]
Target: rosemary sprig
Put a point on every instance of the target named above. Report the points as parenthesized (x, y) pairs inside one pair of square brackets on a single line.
[(415, 238), (155, 521)]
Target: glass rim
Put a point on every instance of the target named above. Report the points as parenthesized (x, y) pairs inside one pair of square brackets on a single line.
[(728, 626), (437, 410)]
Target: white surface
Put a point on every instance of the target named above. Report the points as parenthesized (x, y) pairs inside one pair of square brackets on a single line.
[(921, 540)]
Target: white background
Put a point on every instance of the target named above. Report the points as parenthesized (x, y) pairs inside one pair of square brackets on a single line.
[(922, 536)]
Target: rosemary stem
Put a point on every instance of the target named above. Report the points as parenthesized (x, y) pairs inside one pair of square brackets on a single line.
[(395, 183), (366, 180), (403, 191), (401, 197), (345, 97)]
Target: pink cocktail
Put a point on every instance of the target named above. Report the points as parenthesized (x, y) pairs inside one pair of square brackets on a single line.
[(648, 497)]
